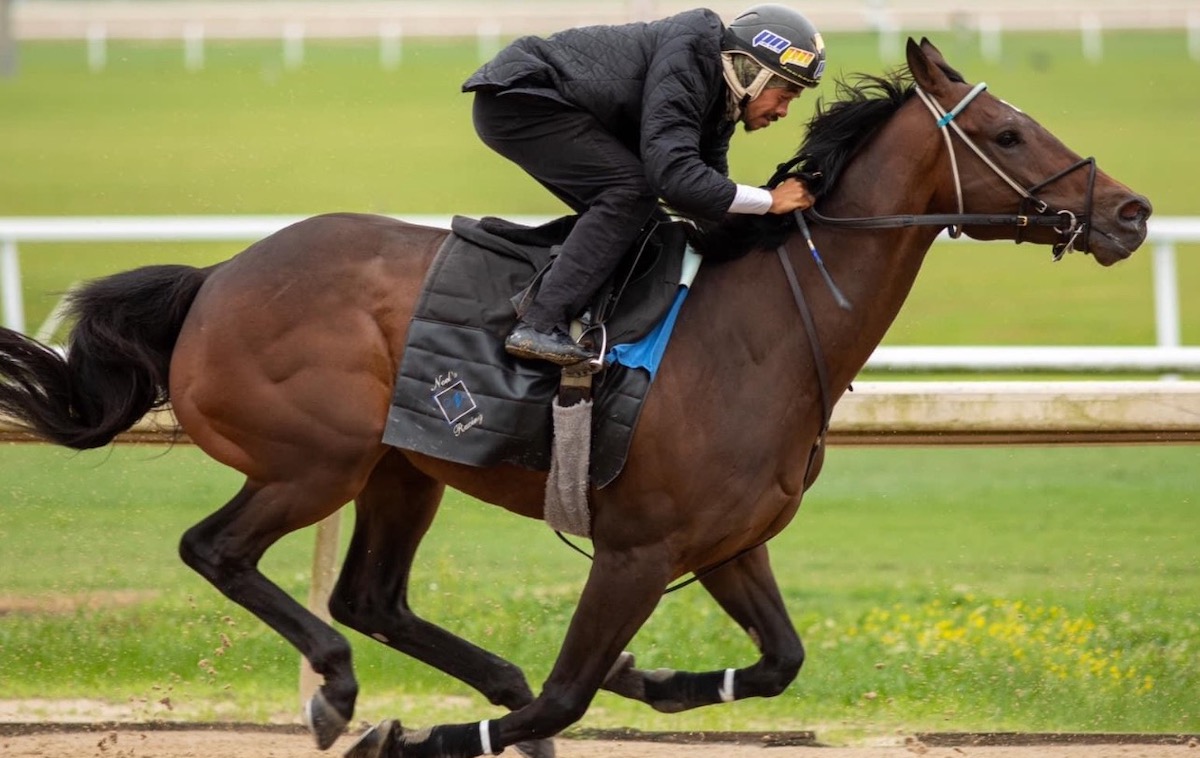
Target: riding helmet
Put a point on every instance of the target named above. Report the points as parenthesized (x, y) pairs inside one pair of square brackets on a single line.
[(781, 40)]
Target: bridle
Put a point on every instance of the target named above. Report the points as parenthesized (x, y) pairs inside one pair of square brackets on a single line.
[(1069, 227), (1074, 232)]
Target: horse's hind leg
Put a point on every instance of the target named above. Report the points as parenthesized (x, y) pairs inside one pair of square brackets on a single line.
[(746, 590), (393, 513), (225, 549)]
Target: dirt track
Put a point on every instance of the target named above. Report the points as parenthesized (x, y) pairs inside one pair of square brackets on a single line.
[(132, 742)]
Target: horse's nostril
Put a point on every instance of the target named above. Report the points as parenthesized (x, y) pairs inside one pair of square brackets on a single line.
[(1135, 210)]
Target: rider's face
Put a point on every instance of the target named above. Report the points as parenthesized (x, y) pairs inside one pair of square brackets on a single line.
[(770, 106)]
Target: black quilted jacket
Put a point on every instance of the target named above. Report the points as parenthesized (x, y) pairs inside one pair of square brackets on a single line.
[(658, 87)]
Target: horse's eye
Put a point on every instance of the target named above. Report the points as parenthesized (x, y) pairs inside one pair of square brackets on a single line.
[(1008, 138)]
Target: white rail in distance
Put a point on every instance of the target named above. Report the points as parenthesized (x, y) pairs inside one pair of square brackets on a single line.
[(942, 413), (1168, 355), (134, 19), (491, 23)]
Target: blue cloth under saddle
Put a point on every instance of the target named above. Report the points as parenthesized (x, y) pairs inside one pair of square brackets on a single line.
[(647, 353)]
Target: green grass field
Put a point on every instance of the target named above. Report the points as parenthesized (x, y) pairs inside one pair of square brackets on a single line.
[(1043, 588)]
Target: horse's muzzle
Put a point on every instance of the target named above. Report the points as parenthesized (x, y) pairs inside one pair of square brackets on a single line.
[(1115, 236)]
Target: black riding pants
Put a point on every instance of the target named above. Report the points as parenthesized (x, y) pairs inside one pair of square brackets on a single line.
[(572, 155)]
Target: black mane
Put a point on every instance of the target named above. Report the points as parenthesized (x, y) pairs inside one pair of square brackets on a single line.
[(835, 133)]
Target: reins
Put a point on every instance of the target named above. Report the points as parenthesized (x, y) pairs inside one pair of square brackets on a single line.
[(1069, 227)]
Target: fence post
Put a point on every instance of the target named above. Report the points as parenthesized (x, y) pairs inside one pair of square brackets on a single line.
[(324, 573), (487, 36), (1093, 37), (989, 38), (293, 44), (193, 46), (1166, 296), (1166, 299), (10, 273), (97, 46), (8, 40), (1193, 35), (391, 46)]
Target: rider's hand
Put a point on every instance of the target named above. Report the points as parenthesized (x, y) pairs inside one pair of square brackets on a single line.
[(790, 195)]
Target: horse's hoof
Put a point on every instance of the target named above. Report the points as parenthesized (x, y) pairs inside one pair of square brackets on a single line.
[(323, 720), (374, 742), (535, 748)]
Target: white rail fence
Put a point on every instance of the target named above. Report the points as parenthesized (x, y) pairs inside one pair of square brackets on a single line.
[(1168, 355), (193, 23), (939, 413)]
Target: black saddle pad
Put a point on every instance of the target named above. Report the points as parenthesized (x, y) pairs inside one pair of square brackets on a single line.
[(459, 396)]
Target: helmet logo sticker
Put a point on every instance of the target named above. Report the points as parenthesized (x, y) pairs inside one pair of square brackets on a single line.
[(797, 56), (820, 70), (771, 41)]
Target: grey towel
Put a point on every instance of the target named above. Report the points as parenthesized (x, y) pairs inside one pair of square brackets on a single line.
[(567, 484)]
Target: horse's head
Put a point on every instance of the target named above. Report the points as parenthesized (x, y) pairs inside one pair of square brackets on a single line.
[(1007, 163)]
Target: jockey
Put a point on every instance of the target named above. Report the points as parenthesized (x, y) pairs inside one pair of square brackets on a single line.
[(612, 118)]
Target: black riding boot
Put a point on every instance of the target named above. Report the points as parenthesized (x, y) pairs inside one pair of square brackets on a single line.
[(527, 341)]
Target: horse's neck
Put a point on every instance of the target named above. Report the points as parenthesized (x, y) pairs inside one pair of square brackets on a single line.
[(875, 269), (749, 324)]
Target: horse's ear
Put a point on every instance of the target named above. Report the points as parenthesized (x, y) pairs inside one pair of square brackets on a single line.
[(932, 53), (923, 60)]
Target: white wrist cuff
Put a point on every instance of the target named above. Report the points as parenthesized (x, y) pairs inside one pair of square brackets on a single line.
[(752, 200)]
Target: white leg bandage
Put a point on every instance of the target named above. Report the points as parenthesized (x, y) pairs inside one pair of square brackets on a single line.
[(726, 690), (485, 737)]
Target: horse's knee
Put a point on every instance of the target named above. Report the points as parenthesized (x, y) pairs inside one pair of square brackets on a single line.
[(200, 547), (779, 671), (197, 553), (227, 572)]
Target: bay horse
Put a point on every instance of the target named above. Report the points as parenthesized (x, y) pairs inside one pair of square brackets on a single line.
[(280, 363)]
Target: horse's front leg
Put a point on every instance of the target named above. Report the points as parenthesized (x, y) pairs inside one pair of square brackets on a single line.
[(746, 589), (622, 590)]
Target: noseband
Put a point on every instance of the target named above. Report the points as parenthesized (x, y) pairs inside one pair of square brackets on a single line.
[(1073, 231)]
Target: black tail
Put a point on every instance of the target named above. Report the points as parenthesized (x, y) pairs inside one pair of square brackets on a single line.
[(117, 359)]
